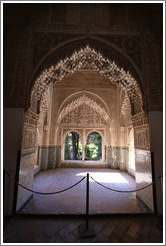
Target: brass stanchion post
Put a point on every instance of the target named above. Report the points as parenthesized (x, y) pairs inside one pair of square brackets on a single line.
[(87, 202), (4, 181), (87, 230)]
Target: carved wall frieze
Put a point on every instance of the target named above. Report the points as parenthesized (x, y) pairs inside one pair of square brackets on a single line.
[(141, 131), (29, 138), (78, 118), (43, 103), (78, 130), (42, 118), (90, 104), (125, 116), (106, 67), (99, 130), (34, 104), (31, 118), (129, 43), (102, 97), (140, 119), (142, 138), (45, 42)]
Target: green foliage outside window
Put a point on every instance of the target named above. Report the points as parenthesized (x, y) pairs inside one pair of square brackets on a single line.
[(93, 148), (73, 147), (67, 148)]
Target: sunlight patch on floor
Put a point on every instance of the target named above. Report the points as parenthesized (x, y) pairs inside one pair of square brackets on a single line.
[(105, 177)]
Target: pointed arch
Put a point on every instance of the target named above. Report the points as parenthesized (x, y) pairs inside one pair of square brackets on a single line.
[(86, 101), (116, 75)]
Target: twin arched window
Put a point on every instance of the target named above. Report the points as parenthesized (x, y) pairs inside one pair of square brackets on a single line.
[(74, 150)]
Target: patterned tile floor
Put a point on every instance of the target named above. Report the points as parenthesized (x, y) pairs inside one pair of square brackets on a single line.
[(73, 201), (113, 229)]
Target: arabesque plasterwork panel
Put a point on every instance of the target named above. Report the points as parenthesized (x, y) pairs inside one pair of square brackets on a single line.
[(84, 116), (141, 131), (29, 138), (141, 138)]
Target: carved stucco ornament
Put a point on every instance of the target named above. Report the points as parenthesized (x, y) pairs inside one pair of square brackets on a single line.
[(43, 103), (78, 60), (86, 101)]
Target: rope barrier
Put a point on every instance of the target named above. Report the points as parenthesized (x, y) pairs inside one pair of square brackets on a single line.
[(42, 193), (56, 192), (124, 191)]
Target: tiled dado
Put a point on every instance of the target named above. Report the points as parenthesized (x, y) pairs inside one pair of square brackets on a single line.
[(143, 176), (25, 176), (83, 164), (49, 156), (117, 157)]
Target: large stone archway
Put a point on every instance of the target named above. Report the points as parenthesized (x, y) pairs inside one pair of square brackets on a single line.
[(39, 36), (118, 92), (88, 57)]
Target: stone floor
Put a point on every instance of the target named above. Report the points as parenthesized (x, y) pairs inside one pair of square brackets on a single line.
[(108, 229), (73, 201)]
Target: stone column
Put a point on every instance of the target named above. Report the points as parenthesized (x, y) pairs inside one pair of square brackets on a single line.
[(62, 147), (103, 151), (83, 145), (83, 152)]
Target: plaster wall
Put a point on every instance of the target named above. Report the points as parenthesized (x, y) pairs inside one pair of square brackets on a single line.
[(26, 175), (28, 157), (144, 176), (12, 129), (143, 164), (156, 139)]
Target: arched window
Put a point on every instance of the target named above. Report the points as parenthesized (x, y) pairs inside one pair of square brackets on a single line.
[(73, 147), (93, 148)]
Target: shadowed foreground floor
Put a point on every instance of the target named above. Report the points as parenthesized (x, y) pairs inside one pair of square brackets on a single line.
[(113, 229)]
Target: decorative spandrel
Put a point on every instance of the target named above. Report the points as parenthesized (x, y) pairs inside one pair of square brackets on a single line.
[(84, 111), (125, 114), (84, 115), (80, 59)]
